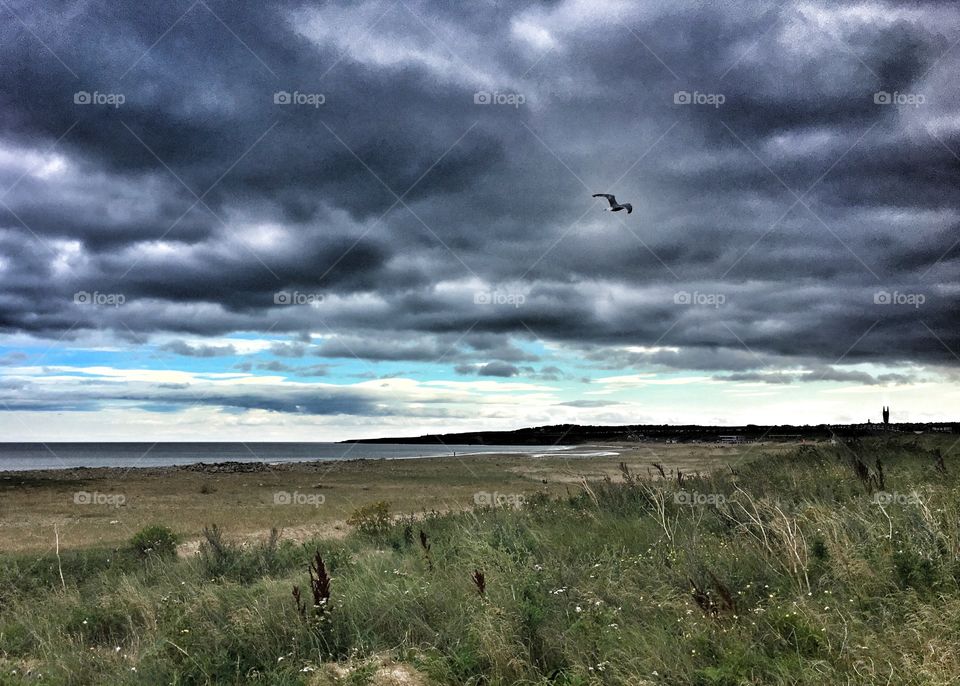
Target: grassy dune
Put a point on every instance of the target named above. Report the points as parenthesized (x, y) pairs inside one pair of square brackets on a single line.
[(824, 564), (243, 504)]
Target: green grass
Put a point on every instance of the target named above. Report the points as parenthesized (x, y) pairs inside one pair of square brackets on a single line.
[(793, 574)]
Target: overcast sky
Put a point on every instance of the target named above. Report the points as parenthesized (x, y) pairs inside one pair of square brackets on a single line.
[(296, 220)]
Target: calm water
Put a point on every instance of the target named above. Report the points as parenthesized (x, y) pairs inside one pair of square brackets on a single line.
[(20, 456)]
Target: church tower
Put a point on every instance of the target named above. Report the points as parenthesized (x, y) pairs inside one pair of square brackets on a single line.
[(886, 415)]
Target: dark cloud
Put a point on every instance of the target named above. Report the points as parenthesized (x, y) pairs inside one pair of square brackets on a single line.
[(797, 200), (498, 369)]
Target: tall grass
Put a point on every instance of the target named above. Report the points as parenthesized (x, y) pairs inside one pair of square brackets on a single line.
[(831, 564)]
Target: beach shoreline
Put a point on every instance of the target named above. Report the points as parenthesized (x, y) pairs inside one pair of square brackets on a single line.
[(66, 456)]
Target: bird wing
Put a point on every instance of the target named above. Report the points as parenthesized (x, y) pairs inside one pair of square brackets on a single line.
[(610, 199), (628, 206)]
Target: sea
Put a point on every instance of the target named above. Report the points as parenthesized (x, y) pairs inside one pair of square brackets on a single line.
[(31, 456)]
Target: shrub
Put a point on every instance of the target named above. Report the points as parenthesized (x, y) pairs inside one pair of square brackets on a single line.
[(224, 559), (373, 519), (155, 540)]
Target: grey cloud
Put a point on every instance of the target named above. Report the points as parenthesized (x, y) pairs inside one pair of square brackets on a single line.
[(500, 204), (498, 369), (589, 403), (184, 348)]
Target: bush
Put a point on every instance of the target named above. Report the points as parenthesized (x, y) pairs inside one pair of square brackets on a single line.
[(154, 540), (224, 559), (373, 519)]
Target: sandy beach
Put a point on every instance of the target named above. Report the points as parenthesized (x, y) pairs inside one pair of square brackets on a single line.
[(104, 506)]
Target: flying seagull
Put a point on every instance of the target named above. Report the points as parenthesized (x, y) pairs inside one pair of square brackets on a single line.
[(614, 205)]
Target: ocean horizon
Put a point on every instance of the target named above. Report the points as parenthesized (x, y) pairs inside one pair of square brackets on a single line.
[(16, 456)]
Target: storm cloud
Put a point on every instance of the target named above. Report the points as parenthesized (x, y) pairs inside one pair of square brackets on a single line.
[(412, 182)]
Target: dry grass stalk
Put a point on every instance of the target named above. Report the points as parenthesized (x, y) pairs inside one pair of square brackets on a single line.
[(425, 544), (939, 464), (301, 606), (479, 581)]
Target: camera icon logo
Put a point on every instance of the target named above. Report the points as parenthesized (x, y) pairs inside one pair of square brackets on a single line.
[(682, 98), (882, 298), (482, 98), (282, 298), (81, 298), (82, 98), (282, 98), (282, 498), (882, 98), (682, 298)]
